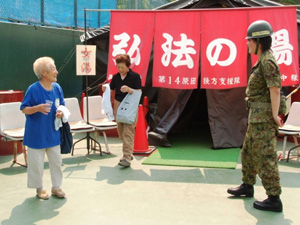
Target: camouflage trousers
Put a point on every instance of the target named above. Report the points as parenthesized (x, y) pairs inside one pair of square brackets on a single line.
[(259, 157)]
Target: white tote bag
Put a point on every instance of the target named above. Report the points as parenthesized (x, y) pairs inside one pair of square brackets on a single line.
[(128, 108)]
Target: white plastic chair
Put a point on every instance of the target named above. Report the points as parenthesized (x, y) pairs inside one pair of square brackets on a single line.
[(12, 126), (291, 126), (97, 117), (77, 124)]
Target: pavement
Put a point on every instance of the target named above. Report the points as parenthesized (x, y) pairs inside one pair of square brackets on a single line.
[(101, 192)]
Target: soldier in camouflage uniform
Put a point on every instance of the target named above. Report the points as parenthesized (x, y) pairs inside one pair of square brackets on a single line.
[(263, 100)]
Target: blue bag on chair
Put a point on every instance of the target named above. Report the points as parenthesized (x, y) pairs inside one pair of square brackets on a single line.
[(128, 108)]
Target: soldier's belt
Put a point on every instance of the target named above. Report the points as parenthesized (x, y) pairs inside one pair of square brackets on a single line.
[(258, 105)]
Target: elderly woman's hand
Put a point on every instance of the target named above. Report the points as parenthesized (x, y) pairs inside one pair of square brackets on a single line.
[(59, 114), (103, 88), (44, 108)]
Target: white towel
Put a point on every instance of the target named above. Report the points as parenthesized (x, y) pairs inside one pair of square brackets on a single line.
[(66, 112), (106, 103)]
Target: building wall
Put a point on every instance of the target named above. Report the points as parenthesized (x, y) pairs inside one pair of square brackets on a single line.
[(21, 44)]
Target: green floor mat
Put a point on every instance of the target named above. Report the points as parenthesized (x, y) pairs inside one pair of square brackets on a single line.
[(193, 151)]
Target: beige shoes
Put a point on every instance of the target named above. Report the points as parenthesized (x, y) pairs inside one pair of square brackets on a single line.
[(42, 195), (55, 192), (58, 193)]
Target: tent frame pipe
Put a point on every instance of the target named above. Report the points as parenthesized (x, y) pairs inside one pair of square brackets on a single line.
[(108, 10), (88, 138)]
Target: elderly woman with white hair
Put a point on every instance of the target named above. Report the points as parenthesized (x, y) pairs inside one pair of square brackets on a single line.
[(40, 134)]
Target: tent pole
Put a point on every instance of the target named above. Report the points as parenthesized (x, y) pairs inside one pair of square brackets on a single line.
[(109, 10), (88, 138), (86, 89)]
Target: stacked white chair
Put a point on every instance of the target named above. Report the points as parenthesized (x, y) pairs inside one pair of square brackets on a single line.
[(77, 124), (97, 117), (12, 126), (291, 126)]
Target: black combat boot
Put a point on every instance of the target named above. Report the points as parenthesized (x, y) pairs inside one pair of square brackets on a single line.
[(244, 189), (272, 203)]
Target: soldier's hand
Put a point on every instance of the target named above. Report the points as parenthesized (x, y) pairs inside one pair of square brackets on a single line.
[(279, 121)]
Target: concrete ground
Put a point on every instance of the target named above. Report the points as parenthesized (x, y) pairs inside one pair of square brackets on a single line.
[(100, 192)]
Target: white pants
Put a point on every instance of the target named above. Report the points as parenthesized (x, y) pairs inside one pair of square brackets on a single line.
[(35, 166)]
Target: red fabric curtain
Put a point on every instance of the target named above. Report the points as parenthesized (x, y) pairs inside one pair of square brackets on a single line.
[(224, 49), (177, 36), (285, 43), (131, 33), (176, 50)]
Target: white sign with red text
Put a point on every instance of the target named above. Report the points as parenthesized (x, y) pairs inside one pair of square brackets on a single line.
[(86, 60)]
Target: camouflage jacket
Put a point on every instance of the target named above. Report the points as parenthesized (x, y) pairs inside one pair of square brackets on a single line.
[(264, 74)]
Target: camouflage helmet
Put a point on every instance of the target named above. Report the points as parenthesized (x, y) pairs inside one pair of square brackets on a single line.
[(259, 29)]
